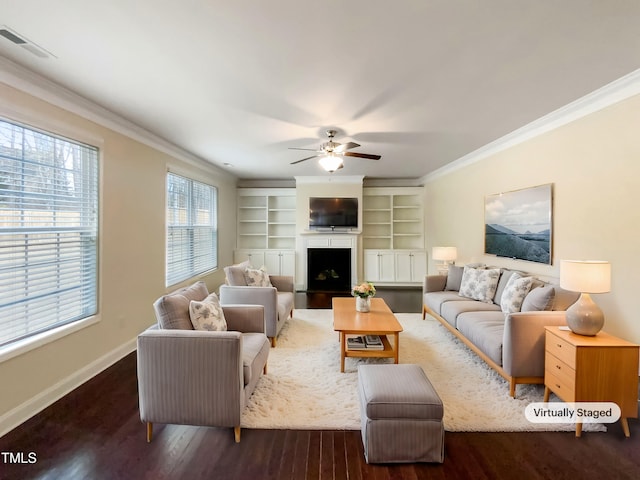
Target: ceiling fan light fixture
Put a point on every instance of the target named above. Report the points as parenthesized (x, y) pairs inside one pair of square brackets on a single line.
[(330, 163)]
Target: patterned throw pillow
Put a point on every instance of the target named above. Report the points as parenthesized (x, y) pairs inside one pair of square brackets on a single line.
[(479, 284), (207, 314), (515, 292), (257, 278)]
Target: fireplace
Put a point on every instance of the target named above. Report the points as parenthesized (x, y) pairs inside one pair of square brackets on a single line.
[(328, 269)]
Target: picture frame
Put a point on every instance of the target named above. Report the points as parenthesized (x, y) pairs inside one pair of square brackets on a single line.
[(518, 224)]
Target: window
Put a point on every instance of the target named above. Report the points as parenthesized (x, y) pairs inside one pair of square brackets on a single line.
[(48, 231), (192, 228)]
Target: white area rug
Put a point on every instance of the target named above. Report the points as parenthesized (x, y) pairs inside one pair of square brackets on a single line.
[(304, 388)]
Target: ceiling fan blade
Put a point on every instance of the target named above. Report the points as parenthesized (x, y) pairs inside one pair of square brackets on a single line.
[(362, 155), (309, 149), (304, 159), (345, 146)]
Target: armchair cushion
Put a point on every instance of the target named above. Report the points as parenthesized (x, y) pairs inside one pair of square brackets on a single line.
[(172, 310), (207, 314)]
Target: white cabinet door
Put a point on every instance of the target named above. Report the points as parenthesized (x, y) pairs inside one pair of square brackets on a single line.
[(418, 266), (371, 266), (255, 257), (280, 262), (411, 266), (403, 266), (387, 266)]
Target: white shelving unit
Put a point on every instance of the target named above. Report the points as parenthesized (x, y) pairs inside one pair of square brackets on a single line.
[(393, 235), (267, 228)]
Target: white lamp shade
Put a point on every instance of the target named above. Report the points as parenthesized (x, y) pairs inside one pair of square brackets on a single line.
[(588, 276), (448, 254), (331, 163)]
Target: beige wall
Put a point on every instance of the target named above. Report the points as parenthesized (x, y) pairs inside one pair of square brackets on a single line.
[(594, 165), (132, 254)]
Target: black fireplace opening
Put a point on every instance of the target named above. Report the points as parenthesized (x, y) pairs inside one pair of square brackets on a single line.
[(328, 270)]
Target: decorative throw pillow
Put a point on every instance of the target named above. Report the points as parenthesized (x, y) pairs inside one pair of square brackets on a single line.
[(257, 278), (207, 314), (515, 292), (539, 299), (479, 284), (454, 278)]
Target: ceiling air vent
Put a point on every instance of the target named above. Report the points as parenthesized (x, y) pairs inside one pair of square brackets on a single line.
[(21, 41)]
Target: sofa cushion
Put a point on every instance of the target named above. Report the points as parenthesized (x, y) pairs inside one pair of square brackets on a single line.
[(539, 299), (172, 310), (485, 330), (454, 278), (505, 276), (207, 314), (451, 310), (564, 298), (285, 304), (257, 277), (479, 284), (515, 292), (234, 274), (434, 300), (255, 346)]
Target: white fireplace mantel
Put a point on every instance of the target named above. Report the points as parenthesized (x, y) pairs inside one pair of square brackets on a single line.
[(329, 240)]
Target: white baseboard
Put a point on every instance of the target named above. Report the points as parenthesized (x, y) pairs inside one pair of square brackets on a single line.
[(28, 409)]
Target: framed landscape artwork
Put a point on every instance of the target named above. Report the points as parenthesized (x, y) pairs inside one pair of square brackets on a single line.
[(518, 224)]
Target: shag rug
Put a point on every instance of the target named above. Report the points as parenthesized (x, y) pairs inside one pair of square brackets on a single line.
[(304, 389)]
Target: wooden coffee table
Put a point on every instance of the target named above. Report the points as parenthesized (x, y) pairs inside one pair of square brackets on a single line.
[(379, 321)]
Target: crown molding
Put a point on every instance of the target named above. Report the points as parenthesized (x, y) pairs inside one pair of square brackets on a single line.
[(614, 92), (356, 179), (29, 82)]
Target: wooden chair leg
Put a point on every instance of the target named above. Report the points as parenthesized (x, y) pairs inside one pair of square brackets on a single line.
[(264, 370), (236, 432), (512, 387), (424, 312), (149, 431), (273, 342)]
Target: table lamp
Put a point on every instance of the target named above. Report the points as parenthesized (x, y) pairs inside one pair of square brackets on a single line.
[(585, 317), (446, 255)]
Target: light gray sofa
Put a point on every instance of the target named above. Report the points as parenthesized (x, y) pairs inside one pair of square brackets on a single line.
[(199, 377), (278, 299), (512, 343)]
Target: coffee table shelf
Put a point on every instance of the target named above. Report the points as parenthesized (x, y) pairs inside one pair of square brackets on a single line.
[(379, 321)]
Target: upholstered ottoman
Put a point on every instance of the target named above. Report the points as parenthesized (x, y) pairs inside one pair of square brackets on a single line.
[(401, 415)]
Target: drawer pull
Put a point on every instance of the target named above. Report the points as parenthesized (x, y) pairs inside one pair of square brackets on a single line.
[(558, 367), (557, 386), (559, 345)]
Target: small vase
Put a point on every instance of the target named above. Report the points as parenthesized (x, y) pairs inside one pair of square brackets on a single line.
[(363, 304)]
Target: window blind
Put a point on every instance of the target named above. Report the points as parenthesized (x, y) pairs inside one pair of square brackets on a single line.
[(192, 228), (48, 231)]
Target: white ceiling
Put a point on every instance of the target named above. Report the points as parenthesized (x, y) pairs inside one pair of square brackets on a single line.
[(420, 82)]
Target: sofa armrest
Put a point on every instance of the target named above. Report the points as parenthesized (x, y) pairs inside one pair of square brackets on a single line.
[(523, 341), (179, 369), (434, 283), (244, 318), (283, 283)]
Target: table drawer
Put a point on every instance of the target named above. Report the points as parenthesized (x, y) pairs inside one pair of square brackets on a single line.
[(564, 389), (561, 349), (559, 368)]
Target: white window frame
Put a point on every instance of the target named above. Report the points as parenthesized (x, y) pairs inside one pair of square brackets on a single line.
[(192, 228), (20, 300)]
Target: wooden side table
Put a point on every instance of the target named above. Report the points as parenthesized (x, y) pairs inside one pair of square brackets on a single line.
[(602, 368)]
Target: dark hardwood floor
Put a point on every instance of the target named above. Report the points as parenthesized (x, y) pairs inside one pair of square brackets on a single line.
[(95, 433)]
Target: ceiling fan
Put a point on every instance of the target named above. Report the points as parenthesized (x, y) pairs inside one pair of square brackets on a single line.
[(331, 153)]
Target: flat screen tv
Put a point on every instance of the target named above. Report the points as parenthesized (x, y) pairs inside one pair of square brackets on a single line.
[(333, 213)]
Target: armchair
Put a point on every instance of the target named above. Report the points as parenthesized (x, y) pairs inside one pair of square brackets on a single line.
[(199, 377), (277, 300)]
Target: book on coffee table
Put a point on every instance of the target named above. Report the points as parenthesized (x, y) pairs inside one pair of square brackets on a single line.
[(373, 342), (356, 343)]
